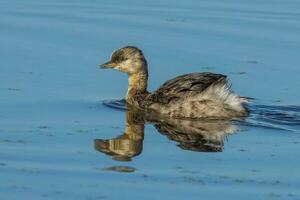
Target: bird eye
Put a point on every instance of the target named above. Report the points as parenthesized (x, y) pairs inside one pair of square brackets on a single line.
[(122, 58)]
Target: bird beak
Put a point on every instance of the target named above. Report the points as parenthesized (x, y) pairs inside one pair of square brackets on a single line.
[(107, 65)]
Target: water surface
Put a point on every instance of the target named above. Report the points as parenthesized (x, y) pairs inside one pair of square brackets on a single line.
[(52, 94)]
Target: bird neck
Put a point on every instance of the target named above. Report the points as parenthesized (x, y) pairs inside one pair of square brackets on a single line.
[(137, 85), (134, 128)]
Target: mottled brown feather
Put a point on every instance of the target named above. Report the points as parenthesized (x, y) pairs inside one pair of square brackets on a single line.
[(184, 85)]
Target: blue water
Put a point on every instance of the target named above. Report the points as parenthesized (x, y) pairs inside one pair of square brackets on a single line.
[(52, 93)]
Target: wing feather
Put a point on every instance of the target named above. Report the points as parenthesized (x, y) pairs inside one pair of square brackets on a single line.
[(184, 85)]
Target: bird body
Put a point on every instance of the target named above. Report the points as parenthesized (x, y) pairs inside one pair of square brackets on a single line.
[(193, 96)]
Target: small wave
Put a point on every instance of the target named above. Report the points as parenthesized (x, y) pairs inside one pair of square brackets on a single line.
[(115, 104), (275, 117)]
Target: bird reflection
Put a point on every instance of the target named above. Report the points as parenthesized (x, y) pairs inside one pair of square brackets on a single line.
[(192, 135), (128, 145)]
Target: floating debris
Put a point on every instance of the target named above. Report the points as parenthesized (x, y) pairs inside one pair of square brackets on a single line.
[(123, 169), (252, 61), (13, 89), (238, 73)]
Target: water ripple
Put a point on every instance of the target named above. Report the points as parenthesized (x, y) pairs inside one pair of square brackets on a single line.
[(284, 117), (278, 117), (115, 104)]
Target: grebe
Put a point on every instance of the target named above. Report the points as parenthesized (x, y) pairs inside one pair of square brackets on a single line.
[(193, 96)]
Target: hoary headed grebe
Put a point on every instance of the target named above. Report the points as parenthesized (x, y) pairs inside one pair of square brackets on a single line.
[(195, 95)]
